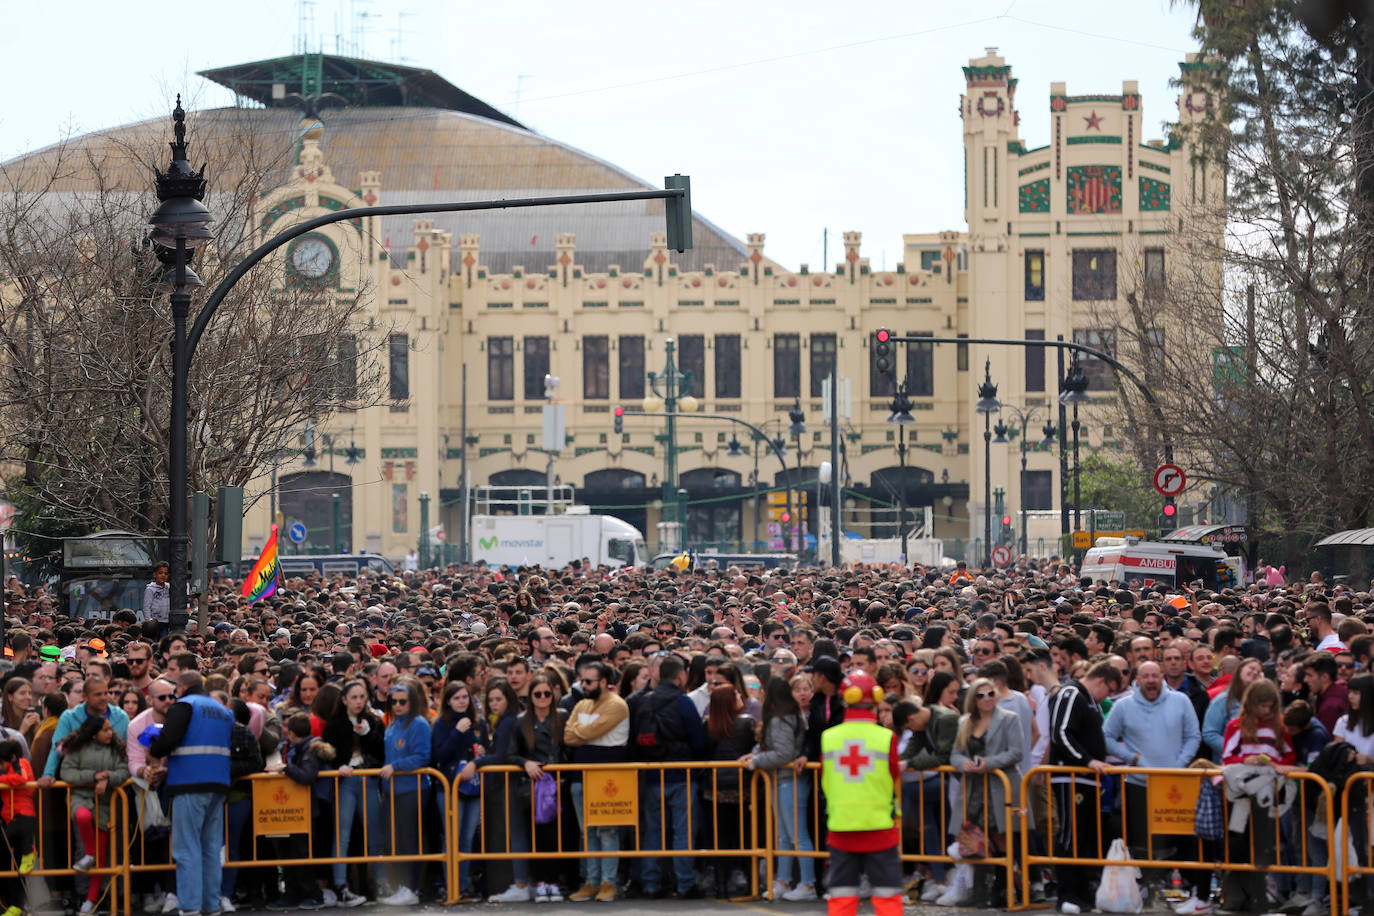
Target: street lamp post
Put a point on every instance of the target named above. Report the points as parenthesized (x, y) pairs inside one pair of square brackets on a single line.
[(901, 417), (796, 428), (424, 531), (668, 387), (987, 406), (180, 223), (1074, 390)]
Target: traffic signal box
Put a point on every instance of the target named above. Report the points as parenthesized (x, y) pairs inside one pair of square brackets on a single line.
[(777, 508)]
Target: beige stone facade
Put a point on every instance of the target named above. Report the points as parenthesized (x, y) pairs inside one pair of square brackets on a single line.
[(1052, 234)]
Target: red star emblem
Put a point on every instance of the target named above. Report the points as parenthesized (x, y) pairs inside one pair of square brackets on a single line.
[(1094, 122)]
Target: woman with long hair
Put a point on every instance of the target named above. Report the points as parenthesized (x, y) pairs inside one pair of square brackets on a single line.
[(323, 708), (1226, 706), (943, 690), (729, 674), (729, 736), (989, 738), (132, 701), (357, 735), (538, 743), (783, 741), (1356, 728), (459, 735), (634, 677), (95, 764), (892, 678), (303, 692), (19, 708), (1257, 738), (503, 713), (407, 749)]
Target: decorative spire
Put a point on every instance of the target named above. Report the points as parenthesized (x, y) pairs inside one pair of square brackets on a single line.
[(179, 180)]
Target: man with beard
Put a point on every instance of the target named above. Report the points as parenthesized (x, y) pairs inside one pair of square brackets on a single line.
[(598, 731)]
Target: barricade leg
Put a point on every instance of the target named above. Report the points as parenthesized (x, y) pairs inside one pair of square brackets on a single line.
[(1075, 821)]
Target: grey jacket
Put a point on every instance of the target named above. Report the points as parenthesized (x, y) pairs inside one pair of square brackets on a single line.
[(783, 743), (1005, 750)]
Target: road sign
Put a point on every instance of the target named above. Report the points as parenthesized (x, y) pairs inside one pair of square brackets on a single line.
[(1082, 540), (297, 533), (1113, 519), (1001, 555), (1169, 479)]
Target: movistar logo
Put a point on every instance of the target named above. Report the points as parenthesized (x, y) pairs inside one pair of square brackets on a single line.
[(489, 543)]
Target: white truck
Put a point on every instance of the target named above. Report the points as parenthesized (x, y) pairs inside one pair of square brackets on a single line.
[(554, 541), (1130, 561)]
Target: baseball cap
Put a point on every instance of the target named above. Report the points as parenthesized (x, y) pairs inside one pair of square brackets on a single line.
[(98, 647), (828, 668), (49, 653)]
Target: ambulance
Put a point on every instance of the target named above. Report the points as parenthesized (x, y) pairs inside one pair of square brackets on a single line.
[(1140, 563)]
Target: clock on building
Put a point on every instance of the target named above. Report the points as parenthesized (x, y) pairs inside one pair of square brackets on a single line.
[(312, 257)]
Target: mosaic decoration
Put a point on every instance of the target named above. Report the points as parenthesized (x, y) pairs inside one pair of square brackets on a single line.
[(1093, 189), (281, 209), (1034, 197), (1154, 195)]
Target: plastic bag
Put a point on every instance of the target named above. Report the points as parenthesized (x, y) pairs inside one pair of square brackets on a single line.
[(1119, 890), (1349, 857), (545, 800)]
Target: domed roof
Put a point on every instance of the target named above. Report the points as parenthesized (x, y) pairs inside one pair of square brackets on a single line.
[(424, 154)]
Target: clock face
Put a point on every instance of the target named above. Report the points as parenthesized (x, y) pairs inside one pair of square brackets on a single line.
[(312, 257)]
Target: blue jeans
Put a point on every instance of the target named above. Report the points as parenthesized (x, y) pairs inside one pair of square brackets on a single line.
[(674, 796), (598, 839), (790, 817), (469, 816), (932, 793), (236, 814), (356, 796), (197, 841)]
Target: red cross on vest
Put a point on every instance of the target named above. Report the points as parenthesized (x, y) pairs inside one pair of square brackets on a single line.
[(855, 760)]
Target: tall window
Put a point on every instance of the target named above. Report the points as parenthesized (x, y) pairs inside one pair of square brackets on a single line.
[(822, 361), (691, 356), (1154, 269), (1094, 274), (346, 370), (1035, 276), (536, 367), (727, 366), (631, 367), (1101, 375), (501, 370), (1039, 492), (399, 375), (920, 367), (1035, 363), (596, 367), (786, 365)]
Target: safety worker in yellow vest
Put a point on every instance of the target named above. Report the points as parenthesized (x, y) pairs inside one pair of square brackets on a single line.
[(860, 776)]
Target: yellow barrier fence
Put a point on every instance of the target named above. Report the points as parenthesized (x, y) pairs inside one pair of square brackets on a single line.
[(659, 804), (1154, 808), (1357, 806)]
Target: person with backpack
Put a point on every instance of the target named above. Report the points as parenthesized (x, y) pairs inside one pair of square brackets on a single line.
[(666, 728), (783, 741)]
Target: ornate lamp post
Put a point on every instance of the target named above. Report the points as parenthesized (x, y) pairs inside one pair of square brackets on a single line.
[(901, 417), (1074, 390), (668, 387), (987, 406), (179, 224), (796, 429)]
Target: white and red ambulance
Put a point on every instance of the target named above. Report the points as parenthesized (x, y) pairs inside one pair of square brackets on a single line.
[(1142, 563)]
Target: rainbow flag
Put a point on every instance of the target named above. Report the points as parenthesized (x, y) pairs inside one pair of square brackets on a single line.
[(262, 578)]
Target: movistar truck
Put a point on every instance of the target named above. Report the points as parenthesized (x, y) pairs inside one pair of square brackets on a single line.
[(554, 541)]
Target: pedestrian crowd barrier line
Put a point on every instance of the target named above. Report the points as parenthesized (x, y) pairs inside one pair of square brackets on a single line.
[(1178, 810), (1360, 834), (615, 794)]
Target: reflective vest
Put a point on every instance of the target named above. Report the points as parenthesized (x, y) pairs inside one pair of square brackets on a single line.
[(856, 778), (203, 756)]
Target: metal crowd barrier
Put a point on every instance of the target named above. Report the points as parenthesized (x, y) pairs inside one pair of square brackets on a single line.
[(614, 795), (1171, 800), (1359, 784)]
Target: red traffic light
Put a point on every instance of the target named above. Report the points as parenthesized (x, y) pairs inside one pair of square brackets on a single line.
[(1170, 508), (786, 517), (883, 335), (1006, 519), (620, 411)]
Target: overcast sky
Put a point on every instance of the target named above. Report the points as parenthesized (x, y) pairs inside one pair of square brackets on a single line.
[(791, 116)]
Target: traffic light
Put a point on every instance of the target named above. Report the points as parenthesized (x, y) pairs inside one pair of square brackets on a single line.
[(619, 420), (677, 213), (1005, 534), (786, 517), (1168, 519), (882, 351)]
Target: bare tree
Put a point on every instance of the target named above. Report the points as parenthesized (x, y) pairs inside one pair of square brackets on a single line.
[(85, 324)]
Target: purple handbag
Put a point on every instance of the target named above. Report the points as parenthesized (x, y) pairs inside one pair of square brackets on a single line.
[(544, 798)]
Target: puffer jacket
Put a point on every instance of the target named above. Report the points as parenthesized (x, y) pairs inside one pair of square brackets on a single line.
[(80, 768)]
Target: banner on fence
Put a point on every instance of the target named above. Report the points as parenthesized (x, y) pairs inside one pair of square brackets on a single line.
[(280, 807), (611, 798), (1173, 802)]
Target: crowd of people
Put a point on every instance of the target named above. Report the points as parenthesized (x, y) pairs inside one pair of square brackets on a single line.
[(368, 680)]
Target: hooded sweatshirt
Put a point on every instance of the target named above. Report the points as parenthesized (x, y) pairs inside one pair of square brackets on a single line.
[(1163, 731)]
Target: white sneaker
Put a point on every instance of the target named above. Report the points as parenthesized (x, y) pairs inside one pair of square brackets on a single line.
[(170, 903), (403, 897), (1068, 906), (1192, 906), (227, 906), (330, 898), (348, 899), (553, 893), (779, 889), (1298, 901), (1317, 908), (513, 894), (84, 864), (952, 896), (801, 893), (933, 891)]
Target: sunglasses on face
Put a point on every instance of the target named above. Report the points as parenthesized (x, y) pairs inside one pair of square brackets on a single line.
[(138, 661), (541, 693), (162, 696), (986, 694), (399, 701), (982, 651)]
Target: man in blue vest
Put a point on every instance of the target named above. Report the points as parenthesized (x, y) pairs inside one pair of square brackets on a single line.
[(195, 741)]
